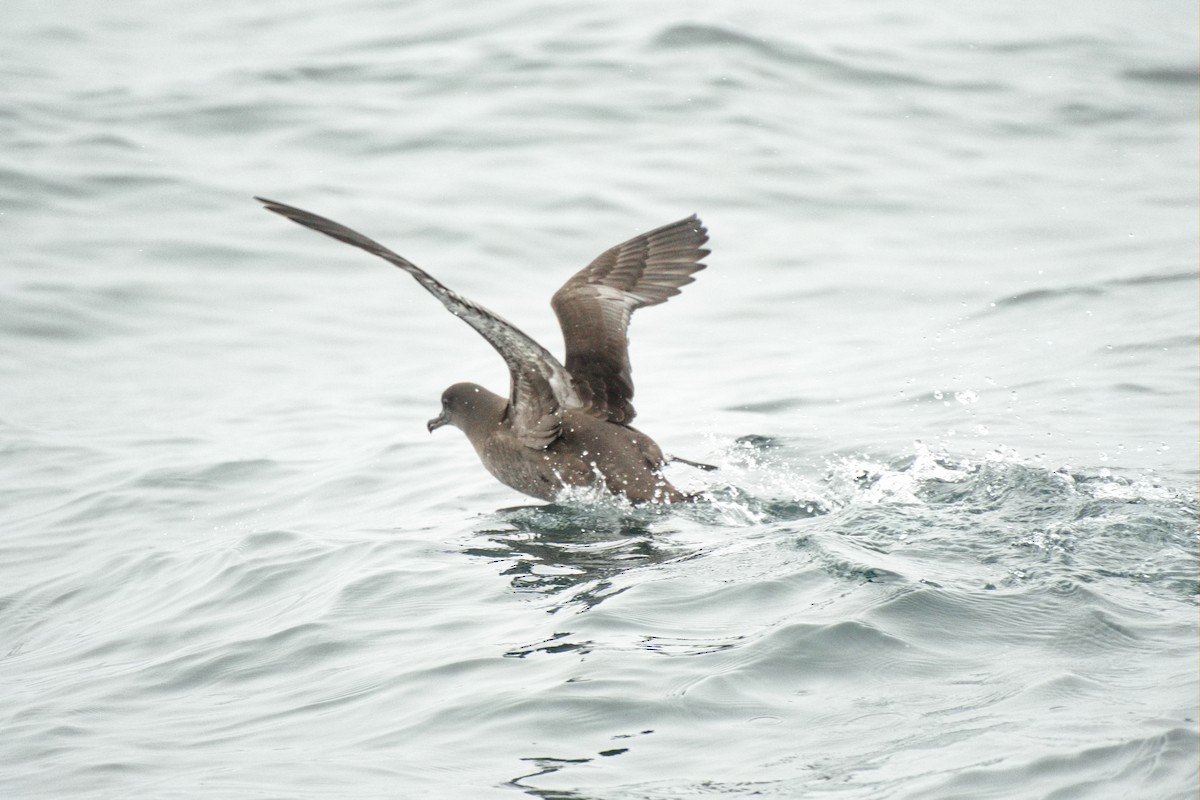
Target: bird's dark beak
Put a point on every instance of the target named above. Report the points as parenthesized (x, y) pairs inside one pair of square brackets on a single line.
[(438, 421)]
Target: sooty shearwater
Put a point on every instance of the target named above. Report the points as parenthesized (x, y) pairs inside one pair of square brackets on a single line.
[(562, 425)]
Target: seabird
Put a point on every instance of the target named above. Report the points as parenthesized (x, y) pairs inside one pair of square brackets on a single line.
[(563, 425)]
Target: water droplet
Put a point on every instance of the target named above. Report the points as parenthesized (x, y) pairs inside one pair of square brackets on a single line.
[(967, 397)]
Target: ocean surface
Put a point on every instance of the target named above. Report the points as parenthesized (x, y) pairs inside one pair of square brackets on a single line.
[(944, 354)]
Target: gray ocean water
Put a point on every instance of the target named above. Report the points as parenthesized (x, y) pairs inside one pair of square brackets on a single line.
[(944, 353)]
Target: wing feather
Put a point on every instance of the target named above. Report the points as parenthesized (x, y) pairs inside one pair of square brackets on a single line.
[(595, 305), (540, 386)]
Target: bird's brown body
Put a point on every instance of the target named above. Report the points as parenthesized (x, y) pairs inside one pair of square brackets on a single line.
[(588, 452)]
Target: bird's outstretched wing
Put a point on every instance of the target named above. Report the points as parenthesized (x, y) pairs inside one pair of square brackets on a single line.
[(540, 387), (595, 305)]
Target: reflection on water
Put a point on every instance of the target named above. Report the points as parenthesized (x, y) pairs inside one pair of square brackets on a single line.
[(574, 552)]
